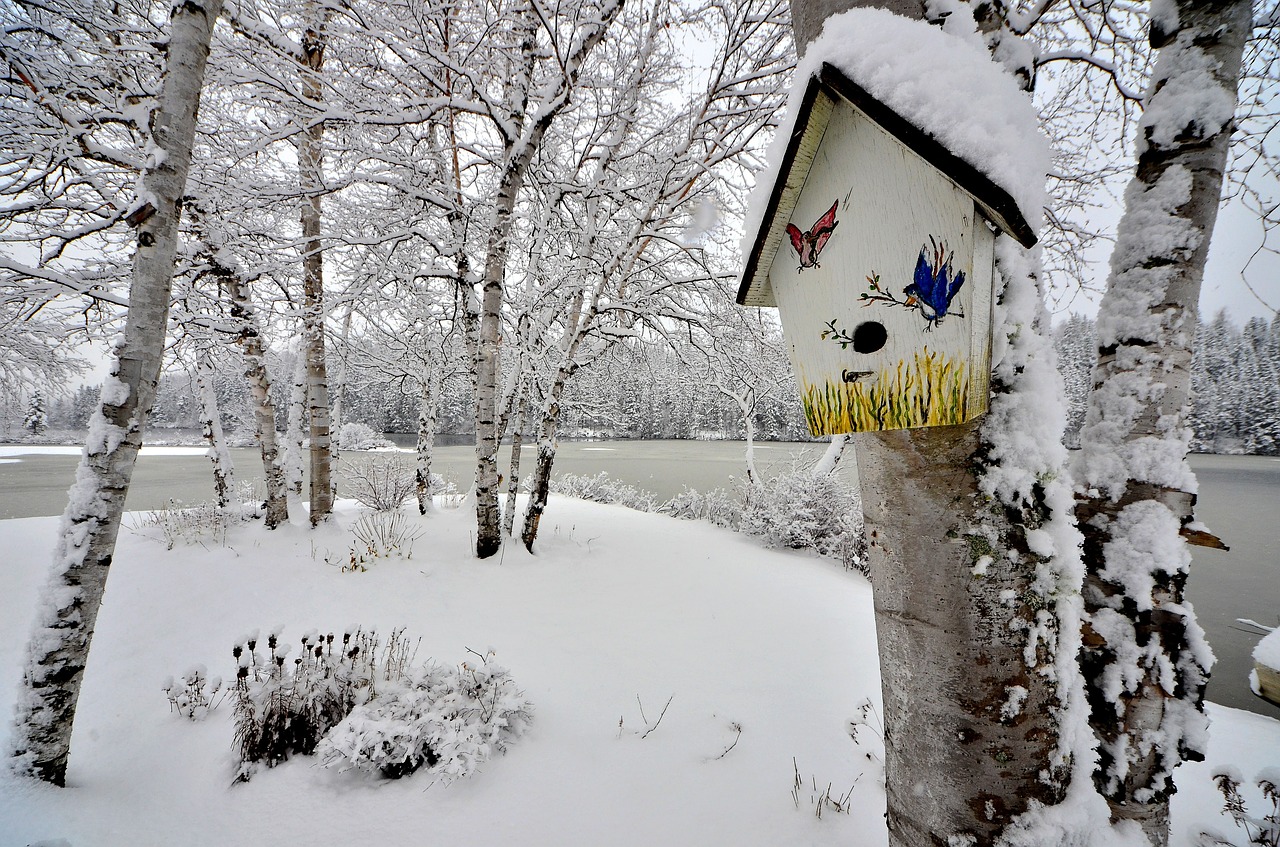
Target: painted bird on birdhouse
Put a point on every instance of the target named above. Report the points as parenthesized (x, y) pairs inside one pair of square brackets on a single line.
[(936, 284), (809, 244)]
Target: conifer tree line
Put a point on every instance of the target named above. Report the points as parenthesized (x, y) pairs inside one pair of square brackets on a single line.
[(634, 391), (647, 391), (1235, 378)]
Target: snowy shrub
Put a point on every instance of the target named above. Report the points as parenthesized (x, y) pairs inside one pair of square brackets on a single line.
[(800, 509), (1262, 831), (716, 506), (602, 489), (191, 699), (378, 535), (368, 706), (189, 525), (446, 491), (283, 706), (804, 510), (447, 720), (382, 484), (359, 436)]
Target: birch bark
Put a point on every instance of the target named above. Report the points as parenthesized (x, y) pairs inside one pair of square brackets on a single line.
[(1145, 658), (211, 420), (70, 601), (428, 410), (249, 337), (311, 175)]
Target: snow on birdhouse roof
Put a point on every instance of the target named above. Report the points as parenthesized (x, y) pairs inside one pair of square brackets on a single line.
[(939, 95)]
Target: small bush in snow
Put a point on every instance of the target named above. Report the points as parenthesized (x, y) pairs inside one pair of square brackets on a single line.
[(197, 695), (382, 484), (716, 506), (368, 706), (602, 489), (804, 510), (188, 524), (378, 535), (1262, 831), (285, 706), (359, 436), (447, 720)]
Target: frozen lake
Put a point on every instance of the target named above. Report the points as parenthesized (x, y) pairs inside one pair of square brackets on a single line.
[(1239, 500)]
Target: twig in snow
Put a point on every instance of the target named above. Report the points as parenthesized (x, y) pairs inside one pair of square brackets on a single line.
[(736, 727), (651, 727)]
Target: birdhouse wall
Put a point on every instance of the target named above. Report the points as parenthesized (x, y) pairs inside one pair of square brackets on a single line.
[(884, 287)]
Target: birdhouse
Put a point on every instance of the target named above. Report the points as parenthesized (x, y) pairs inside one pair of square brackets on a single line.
[(878, 248)]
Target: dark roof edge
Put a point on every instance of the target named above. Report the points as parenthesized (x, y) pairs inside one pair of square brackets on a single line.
[(779, 185)]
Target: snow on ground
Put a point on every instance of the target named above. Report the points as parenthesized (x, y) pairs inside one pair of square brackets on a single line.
[(618, 605)]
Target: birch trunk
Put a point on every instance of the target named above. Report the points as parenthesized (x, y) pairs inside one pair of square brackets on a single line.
[(513, 475), (311, 175), (249, 337), (70, 601), (830, 458), (540, 491), (340, 383), (1145, 658), (295, 426), (968, 725), (488, 529), (211, 420), (428, 409)]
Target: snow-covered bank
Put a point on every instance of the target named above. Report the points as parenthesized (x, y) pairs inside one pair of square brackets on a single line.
[(618, 607), (18, 450)]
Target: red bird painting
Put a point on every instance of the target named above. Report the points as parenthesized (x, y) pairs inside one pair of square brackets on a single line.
[(809, 244)]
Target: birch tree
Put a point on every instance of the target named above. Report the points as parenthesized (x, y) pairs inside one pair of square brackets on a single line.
[(1146, 660), (311, 179), (71, 599), (647, 171)]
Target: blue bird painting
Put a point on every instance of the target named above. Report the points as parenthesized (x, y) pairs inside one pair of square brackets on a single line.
[(936, 284)]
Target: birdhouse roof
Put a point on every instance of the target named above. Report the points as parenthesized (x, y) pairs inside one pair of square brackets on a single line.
[(825, 90)]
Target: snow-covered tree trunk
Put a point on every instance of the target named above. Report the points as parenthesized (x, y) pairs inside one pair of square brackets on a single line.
[(249, 337), (311, 176), (518, 156), (211, 424), (488, 528), (747, 408), (540, 488), (513, 470), (428, 411), (973, 563), (295, 425), (340, 381), (830, 458), (69, 603), (1145, 661)]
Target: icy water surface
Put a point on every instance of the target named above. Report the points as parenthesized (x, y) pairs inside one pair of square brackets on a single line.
[(1239, 500)]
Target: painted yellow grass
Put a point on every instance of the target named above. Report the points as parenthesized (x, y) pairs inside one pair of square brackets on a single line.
[(931, 390)]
